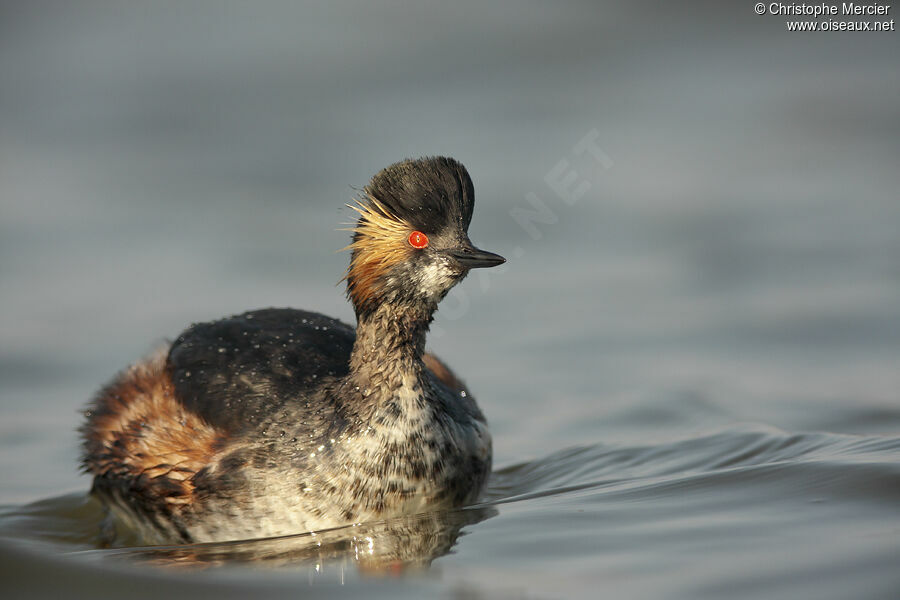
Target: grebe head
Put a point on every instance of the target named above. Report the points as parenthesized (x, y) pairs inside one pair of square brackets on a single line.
[(410, 244)]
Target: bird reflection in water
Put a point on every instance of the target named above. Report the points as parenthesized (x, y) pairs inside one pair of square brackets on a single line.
[(385, 548)]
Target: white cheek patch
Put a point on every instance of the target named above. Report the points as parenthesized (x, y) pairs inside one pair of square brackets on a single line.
[(436, 278)]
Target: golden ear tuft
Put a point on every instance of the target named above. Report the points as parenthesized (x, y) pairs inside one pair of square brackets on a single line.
[(379, 242)]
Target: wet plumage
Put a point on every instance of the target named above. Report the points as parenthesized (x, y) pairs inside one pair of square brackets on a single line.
[(281, 421)]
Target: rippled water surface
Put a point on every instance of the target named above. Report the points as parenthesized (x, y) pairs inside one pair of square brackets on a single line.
[(690, 363)]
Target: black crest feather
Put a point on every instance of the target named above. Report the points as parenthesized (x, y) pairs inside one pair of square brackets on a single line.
[(427, 193)]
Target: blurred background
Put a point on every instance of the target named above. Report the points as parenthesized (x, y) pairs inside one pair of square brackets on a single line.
[(700, 209)]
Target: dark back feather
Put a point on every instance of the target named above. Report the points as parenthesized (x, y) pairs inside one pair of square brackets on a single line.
[(235, 371)]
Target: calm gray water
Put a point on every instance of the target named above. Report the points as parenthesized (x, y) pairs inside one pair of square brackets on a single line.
[(691, 362)]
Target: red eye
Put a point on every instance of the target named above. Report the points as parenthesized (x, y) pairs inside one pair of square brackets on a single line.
[(417, 239)]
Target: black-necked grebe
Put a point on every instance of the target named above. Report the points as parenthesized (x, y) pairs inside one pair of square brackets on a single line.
[(282, 421)]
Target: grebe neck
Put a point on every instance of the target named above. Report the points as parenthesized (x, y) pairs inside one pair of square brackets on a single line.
[(390, 343)]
